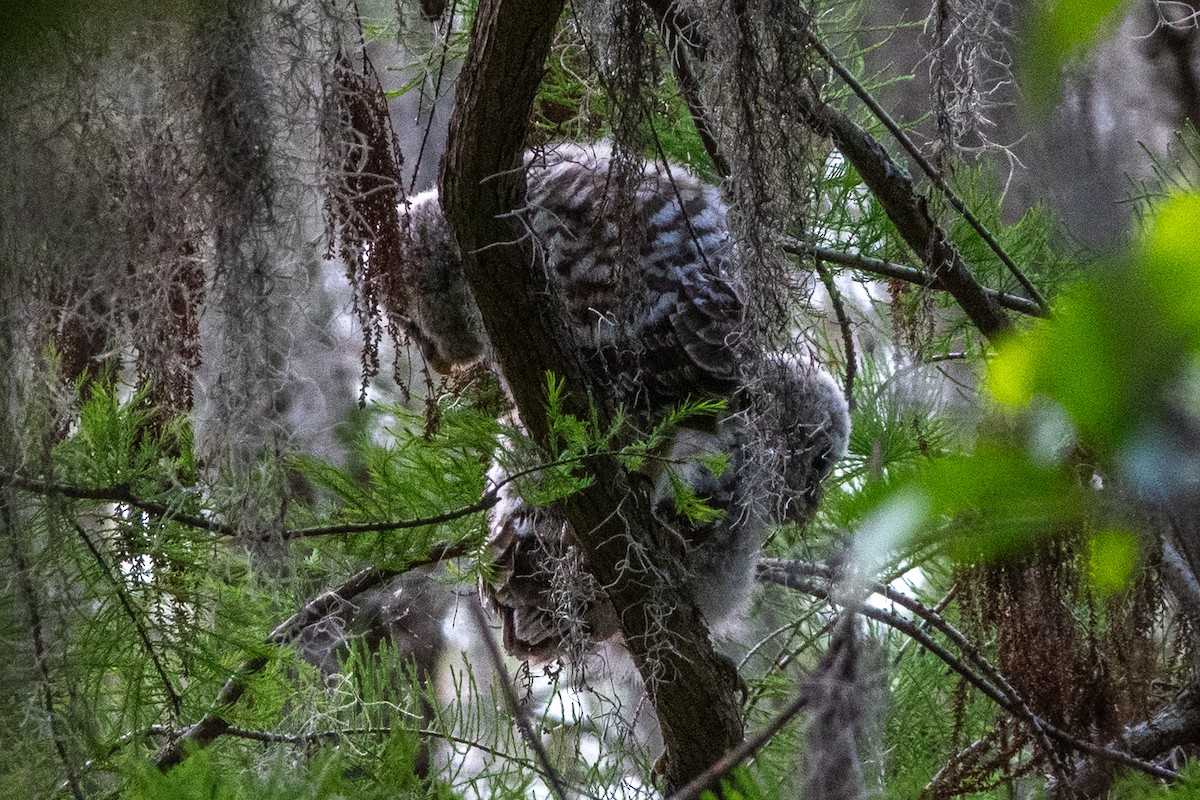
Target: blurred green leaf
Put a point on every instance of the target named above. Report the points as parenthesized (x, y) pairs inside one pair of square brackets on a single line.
[(1113, 556), (1001, 498), (1119, 341), (1171, 263), (1059, 31), (1137, 786)]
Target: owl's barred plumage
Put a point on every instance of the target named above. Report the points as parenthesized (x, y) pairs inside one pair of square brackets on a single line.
[(644, 269), (810, 421), (641, 266)]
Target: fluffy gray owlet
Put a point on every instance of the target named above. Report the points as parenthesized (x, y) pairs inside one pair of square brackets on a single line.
[(642, 267), (783, 438), (804, 422)]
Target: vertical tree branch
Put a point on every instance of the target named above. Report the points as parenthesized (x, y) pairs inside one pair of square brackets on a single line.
[(691, 687), (839, 311), (22, 569), (524, 726)]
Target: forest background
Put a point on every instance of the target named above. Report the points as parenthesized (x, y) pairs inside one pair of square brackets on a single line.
[(243, 523)]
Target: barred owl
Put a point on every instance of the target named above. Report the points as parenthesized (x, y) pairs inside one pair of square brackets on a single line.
[(806, 424), (783, 437), (644, 273), (640, 263)]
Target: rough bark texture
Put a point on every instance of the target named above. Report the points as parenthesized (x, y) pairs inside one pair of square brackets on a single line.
[(691, 687), (893, 187), (1175, 725)]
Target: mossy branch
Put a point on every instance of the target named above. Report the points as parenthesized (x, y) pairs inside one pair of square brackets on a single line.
[(889, 182), (817, 580)]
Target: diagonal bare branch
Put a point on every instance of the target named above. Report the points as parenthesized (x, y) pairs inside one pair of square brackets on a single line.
[(890, 183), (894, 190), (931, 172), (135, 619), (519, 712), (816, 580), (214, 725)]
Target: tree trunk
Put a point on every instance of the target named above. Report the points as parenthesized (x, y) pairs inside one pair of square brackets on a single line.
[(691, 687)]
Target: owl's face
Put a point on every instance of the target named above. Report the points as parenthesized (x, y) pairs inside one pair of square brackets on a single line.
[(443, 318), (810, 431)]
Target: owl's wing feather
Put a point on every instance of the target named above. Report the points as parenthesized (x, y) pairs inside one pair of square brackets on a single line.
[(548, 604), (707, 325)]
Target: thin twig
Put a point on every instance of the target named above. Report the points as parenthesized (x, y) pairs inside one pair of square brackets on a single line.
[(893, 188), (443, 57), (127, 604), (839, 311), (787, 653), (488, 500), (213, 725), (814, 579), (22, 569), (888, 269), (301, 739), (119, 493), (749, 747), (709, 778), (939, 623), (973, 752), (938, 607), (669, 18), (520, 715)]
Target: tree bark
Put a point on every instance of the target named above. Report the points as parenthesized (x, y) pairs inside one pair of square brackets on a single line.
[(893, 187), (692, 688)]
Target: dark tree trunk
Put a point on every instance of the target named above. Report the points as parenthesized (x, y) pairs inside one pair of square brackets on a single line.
[(692, 687)]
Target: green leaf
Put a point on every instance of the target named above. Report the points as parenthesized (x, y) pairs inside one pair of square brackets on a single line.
[(1171, 262), (1119, 342), (689, 506), (999, 500), (1113, 557), (1061, 30)]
